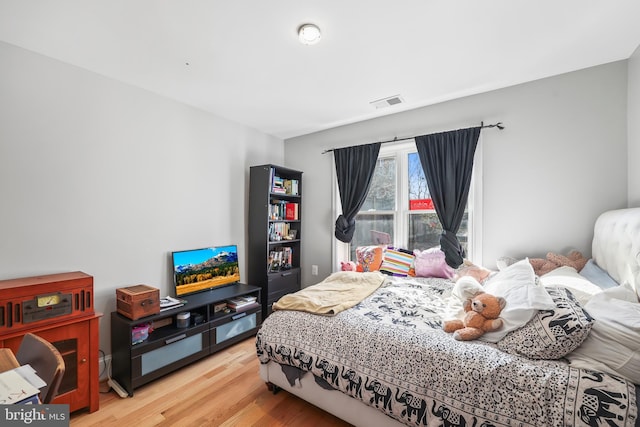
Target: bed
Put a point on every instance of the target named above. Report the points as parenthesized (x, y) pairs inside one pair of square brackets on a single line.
[(386, 361)]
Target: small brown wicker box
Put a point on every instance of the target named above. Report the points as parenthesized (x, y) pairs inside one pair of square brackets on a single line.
[(138, 301)]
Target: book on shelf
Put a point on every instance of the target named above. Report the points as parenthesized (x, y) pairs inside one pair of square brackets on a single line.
[(277, 209), (167, 303), (279, 231), (283, 185), (275, 258), (291, 186), (245, 307), (282, 210), (291, 211), (170, 302), (242, 299), (280, 259), (242, 302), (171, 307), (277, 185)]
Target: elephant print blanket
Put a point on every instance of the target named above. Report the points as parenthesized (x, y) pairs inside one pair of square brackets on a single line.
[(390, 352)]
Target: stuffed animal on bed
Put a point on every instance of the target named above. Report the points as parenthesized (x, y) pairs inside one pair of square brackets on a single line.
[(573, 259), (482, 314), (347, 266)]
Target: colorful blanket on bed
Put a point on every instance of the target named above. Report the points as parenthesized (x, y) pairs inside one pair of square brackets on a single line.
[(390, 352)]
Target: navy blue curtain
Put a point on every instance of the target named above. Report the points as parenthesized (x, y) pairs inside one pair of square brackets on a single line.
[(354, 169), (447, 161)]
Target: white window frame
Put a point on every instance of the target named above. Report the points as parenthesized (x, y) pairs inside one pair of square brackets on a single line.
[(400, 151)]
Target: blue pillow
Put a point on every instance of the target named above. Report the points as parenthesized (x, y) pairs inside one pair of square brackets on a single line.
[(597, 275)]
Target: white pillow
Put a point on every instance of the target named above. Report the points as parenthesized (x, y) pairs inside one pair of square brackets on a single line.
[(525, 296), (613, 345), (466, 287), (567, 277)]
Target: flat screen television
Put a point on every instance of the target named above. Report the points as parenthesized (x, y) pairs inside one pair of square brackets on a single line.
[(198, 270)]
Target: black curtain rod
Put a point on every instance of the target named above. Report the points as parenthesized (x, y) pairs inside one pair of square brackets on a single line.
[(498, 125)]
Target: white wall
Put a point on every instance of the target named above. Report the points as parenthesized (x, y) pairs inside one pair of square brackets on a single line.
[(633, 124), (559, 163), (105, 178)]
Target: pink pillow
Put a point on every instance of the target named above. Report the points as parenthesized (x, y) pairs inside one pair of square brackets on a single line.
[(431, 263)]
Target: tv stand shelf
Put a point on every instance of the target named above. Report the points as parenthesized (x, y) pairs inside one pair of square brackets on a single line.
[(170, 347)]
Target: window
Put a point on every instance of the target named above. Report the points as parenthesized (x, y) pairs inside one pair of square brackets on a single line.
[(398, 209)]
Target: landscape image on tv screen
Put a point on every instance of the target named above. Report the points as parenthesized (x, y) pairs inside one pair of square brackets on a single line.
[(201, 269)]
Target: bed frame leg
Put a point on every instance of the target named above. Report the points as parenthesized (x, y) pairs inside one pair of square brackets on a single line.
[(273, 388)]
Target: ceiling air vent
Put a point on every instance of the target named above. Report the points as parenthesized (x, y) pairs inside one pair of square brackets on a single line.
[(387, 102)]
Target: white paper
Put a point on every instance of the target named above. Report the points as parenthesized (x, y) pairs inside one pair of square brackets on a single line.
[(30, 374), (14, 388)]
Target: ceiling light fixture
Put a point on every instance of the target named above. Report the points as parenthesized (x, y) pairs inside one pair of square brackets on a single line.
[(309, 34)]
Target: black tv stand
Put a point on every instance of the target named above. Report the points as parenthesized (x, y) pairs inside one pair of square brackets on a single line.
[(169, 347)]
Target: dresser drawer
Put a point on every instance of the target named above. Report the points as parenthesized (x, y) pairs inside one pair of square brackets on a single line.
[(158, 358), (282, 283)]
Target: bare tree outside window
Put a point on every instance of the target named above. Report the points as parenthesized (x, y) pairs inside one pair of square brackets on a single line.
[(377, 212), (417, 181), (382, 192)]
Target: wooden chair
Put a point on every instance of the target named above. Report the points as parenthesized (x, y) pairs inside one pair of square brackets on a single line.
[(47, 362)]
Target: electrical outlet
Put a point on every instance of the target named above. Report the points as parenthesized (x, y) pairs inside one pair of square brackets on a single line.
[(314, 270)]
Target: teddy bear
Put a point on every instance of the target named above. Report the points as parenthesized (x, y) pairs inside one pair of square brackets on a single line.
[(573, 259), (347, 266), (481, 315)]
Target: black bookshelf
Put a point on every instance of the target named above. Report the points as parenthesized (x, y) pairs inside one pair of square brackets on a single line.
[(275, 231)]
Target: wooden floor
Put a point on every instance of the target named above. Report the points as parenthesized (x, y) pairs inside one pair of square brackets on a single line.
[(224, 389)]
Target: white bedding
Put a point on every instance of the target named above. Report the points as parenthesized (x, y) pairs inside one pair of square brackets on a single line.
[(569, 278), (613, 345)]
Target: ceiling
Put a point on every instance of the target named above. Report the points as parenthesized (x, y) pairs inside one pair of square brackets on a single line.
[(241, 59)]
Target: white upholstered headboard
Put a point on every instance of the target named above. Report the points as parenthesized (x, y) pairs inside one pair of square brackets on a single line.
[(616, 245)]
